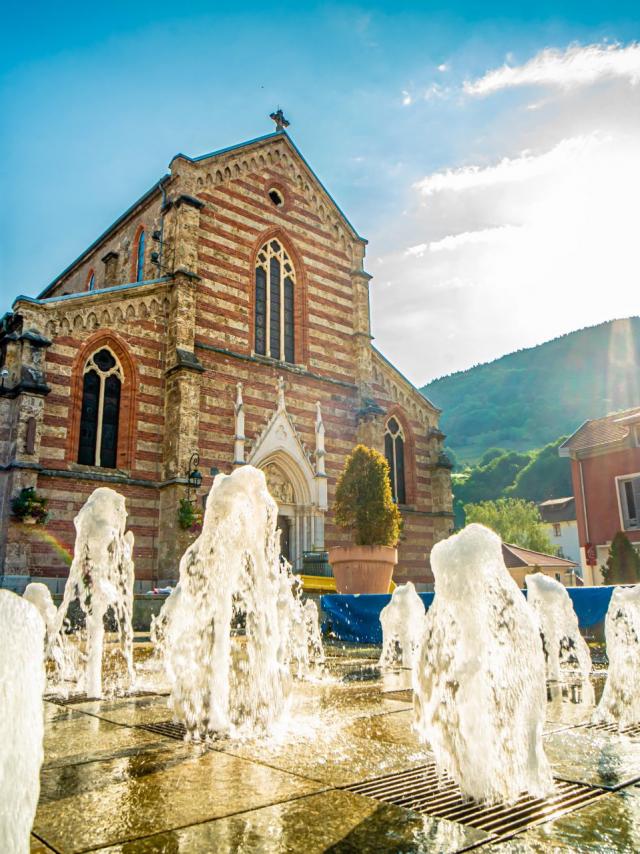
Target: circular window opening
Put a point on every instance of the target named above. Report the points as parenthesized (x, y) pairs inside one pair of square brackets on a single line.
[(276, 197)]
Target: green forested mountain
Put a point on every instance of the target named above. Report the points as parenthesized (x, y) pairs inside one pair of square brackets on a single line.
[(527, 399)]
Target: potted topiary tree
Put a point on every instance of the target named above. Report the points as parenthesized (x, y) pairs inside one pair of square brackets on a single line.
[(364, 505)]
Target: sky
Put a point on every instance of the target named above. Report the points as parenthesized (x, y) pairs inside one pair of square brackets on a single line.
[(490, 153)]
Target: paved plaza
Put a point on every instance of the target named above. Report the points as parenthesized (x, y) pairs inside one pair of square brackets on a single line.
[(345, 773)]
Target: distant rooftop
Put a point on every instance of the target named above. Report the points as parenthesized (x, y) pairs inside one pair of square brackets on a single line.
[(516, 557), (596, 432), (558, 509)]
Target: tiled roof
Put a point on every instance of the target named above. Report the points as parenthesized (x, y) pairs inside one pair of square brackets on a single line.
[(602, 431), (558, 509), (515, 556)]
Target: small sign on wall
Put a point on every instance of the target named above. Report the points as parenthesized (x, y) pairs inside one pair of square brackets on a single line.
[(591, 554)]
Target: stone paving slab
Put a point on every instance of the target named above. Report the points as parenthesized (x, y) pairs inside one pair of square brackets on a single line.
[(595, 758), (131, 711), (332, 821), (611, 825), (84, 738), (97, 804), (333, 757)]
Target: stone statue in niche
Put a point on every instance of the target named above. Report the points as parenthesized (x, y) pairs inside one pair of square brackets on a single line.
[(278, 485)]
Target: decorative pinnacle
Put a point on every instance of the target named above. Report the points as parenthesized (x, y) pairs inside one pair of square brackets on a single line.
[(279, 119)]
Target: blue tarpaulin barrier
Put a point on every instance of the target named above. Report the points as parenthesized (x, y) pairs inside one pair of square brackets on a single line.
[(356, 619)]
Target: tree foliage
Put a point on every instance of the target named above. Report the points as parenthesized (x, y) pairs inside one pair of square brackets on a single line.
[(546, 475), (525, 399), (623, 563), (364, 502), (514, 520)]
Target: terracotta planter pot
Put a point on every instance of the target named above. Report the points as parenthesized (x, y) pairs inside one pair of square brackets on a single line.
[(363, 569)]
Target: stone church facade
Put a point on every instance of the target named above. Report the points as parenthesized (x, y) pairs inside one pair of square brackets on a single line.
[(226, 313)]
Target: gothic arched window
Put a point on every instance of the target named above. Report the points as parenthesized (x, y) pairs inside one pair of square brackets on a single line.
[(275, 282), (394, 452), (140, 257), (101, 385), (91, 280)]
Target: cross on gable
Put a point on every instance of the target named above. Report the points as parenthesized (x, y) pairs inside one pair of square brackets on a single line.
[(279, 119)]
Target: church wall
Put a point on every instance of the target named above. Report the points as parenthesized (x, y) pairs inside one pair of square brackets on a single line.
[(139, 323), (218, 242)]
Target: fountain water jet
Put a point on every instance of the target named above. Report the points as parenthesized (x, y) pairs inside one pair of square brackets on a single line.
[(232, 567), (620, 701), (40, 596), (566, 651), (479, 675), (402, 624), (22, 680), (101, 577)]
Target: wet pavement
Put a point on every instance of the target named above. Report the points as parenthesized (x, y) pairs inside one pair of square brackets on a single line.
[(115, 780)]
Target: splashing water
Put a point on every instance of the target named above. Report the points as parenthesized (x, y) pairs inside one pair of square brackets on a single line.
[(299, 625), (402, 624), (479, 674), (233, 567), (313, 633), (22, 633), (620, 701), (160, 625), (40, 596), (101, 577), (566, 651)]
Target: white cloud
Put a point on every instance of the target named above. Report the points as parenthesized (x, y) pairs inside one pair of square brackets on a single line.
[(573, 67), (407, 100), (443, 67), (482, 236), (509, 170)]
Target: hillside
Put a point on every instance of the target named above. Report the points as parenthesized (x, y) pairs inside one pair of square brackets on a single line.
[(526, 399)]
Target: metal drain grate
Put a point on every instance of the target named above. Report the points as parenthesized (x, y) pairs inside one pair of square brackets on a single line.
[(406, 695), (632, 730), (70, 700), (425, 791), (82, 698), (171, 729)]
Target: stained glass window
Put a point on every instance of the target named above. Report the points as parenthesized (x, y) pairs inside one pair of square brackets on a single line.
[(274, 312), (140, 258), (394, 452), (99, 416)]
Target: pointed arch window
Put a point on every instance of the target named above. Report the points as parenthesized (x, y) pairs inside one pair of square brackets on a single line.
[(394, 452), (274, 314), (91, 280), (140, 257), (101, 387)]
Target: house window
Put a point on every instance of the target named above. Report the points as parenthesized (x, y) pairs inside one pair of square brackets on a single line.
[(140, 257), (629, 492), (394, 452), (274, 318), (556, 529), (101, 386), (91, 281)]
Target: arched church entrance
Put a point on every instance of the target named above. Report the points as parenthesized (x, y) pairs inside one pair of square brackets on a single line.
[(300, 524)]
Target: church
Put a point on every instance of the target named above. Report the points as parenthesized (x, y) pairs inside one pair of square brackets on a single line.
[(221, 320)]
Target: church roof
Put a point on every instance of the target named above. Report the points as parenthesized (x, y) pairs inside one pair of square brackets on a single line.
[(278, 134)]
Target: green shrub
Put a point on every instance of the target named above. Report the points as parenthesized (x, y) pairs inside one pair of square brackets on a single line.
[(623, 563), (364, 503), (189, 516), (29, 503)]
